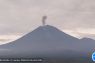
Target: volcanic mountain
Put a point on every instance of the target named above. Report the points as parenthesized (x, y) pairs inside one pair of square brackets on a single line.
[(47, 41)]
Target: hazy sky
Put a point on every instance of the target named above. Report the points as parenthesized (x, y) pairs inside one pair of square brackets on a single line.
[(18, 17)]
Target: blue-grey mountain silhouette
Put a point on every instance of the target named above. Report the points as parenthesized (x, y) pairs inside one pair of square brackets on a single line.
[(47, 41)]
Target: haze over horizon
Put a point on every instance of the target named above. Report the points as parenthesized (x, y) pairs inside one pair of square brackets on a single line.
[(18, 17)]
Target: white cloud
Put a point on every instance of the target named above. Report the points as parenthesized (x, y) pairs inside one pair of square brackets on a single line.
[(81, 33), (8, 38), (22, 16)]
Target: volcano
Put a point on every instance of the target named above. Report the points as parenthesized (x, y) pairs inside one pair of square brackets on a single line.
[(47, 41)]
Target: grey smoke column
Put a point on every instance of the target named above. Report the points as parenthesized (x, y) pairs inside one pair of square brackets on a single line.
[(44, 20)]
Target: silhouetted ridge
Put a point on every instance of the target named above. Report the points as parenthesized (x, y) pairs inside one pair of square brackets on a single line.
[(47, 41), (42, 35)]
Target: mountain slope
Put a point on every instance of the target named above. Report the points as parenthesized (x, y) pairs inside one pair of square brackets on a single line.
[(47, 41), (43, 35)]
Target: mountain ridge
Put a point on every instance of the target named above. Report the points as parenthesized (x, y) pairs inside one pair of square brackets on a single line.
[(47, 40)]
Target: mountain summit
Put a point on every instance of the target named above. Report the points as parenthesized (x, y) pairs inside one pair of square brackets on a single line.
[(46, 40), (43, 35)]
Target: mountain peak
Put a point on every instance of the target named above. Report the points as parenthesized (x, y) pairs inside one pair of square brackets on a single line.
[(47, 26), (47, 39), (46, 34)]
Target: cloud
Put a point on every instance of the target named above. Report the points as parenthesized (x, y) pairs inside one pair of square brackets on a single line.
[(22, 16), (8, 38), (81, 33)]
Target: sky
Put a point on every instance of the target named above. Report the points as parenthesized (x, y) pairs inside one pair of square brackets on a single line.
[(18, 17)]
